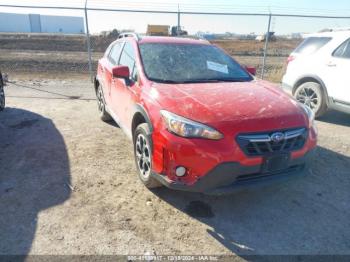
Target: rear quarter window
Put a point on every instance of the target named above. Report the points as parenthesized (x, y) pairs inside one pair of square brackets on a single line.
[(311, 44), (343, 51)]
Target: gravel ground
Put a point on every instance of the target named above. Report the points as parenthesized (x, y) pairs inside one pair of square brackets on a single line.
[(68, 185)]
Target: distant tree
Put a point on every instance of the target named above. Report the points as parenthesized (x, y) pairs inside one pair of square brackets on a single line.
[(114, 33)]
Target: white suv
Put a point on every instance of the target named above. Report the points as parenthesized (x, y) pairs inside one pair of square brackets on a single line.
[(317, 72)]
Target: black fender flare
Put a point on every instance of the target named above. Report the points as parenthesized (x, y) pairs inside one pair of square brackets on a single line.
[(139, 109)]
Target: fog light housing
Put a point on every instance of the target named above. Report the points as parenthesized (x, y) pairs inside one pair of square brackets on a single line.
[(180, 171)]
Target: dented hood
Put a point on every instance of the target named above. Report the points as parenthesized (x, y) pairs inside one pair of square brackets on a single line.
[(217, 104)]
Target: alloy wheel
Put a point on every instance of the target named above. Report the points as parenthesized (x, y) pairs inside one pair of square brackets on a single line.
[(309, 97), (143, 156)]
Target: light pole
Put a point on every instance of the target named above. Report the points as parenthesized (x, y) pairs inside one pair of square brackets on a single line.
[(266, 46), (88, 42)]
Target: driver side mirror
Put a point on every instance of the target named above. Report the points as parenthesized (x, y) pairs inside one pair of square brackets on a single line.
[(251, 70), (121, 72)]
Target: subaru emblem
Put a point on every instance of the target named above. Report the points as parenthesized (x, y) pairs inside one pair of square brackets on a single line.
[(277, 137)]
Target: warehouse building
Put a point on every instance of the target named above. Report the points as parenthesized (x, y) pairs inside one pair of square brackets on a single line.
[(35, 23)]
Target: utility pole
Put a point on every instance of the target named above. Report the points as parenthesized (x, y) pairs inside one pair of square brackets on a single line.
[(88, 42), (266, 46)]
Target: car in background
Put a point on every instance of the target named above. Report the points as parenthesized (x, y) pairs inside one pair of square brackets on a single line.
[(2, 93), (198, 120), (317, 72)]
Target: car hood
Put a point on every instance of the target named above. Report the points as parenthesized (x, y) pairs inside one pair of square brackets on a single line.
[(238, 103)]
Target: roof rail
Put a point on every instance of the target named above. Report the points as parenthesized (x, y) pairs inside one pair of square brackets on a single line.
[(129, 34), (193, 37), (336, 29)]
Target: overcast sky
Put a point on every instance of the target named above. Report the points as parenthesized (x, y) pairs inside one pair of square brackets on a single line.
[(102, 21)]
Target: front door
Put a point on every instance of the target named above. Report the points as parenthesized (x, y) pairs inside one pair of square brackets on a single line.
[(336, 74), (123, 92)]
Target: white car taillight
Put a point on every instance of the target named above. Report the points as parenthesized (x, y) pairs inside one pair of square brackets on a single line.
[(290, 59)]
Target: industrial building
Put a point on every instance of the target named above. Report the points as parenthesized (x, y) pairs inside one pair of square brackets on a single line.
[(36, 23)]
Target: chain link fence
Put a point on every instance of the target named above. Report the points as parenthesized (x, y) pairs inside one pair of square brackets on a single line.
[(62, 54)]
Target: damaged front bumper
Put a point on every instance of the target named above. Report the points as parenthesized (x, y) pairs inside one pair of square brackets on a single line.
[(232, 177)]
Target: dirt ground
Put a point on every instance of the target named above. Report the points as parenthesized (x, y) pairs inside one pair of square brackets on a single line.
[(68, 185)]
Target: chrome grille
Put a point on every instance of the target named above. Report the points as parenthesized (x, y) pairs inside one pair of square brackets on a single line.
[(258, 144)]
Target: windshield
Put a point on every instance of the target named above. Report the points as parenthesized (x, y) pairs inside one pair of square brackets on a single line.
[(189, 63)]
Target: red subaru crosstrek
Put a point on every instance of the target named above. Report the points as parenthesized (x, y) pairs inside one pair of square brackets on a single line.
[(199, 121)]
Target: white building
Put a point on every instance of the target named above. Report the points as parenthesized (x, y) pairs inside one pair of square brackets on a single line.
[(35, 23)]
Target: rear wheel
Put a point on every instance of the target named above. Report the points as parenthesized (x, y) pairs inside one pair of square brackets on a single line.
[(143, 155), (312, 95), (101, 105), (2, 97)]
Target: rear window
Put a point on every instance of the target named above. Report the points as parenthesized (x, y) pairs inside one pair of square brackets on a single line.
[(311, 44)]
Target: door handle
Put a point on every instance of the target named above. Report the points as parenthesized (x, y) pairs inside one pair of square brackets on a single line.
[(331, 64)]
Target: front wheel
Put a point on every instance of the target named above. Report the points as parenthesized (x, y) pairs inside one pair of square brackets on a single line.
[(143, 155), (312, 95)]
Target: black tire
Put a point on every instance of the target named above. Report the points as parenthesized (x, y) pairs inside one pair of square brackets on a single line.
[(312, 95), (143, 155), (101, 105), (2, 97)]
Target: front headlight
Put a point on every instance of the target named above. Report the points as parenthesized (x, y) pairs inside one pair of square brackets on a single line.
[(187, 128)]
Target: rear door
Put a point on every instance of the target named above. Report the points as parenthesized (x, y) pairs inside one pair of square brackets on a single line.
[(113, 60), (336, 77), (101, 71), (123, 92)]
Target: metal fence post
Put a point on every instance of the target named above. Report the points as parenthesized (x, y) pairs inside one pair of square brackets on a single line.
[(178, 20), (267, 36), (88, 42)]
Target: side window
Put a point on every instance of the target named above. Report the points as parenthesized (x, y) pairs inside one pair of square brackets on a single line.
[(114, 53), (343, 51), (127, 58)]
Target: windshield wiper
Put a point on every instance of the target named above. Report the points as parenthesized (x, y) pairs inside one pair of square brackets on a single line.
[(202, 81), (166, 81), (215, 80), (234, 80), (205, 80)]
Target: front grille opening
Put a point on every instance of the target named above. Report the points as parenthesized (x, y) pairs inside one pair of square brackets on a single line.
[(255, 176), (261, 143)]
